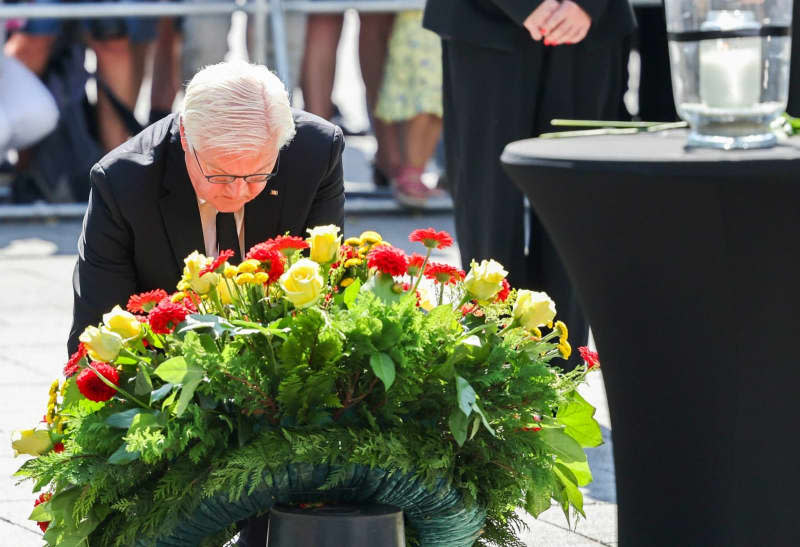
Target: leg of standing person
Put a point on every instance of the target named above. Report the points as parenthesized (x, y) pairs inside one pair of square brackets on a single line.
[(489, 101), (319, 62), (115, 67), (32, 50), (166, 69)]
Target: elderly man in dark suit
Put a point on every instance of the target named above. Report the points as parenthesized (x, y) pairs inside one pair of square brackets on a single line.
[(236, 167), (509, 67)]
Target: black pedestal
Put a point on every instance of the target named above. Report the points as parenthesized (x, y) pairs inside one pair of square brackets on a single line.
[(686, 263), (336, 526)]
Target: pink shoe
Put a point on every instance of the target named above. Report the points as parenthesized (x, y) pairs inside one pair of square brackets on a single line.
[(409, 190)]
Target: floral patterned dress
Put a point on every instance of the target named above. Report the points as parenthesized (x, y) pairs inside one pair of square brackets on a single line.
[(412, 81)]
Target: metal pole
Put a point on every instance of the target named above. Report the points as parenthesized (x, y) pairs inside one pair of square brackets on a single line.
[(278, 23), (261, 10), (94, 10)]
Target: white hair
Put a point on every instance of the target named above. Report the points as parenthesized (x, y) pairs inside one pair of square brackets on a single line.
[(237, 106)]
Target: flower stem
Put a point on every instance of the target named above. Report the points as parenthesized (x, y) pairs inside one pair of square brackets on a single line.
[(421, 271)]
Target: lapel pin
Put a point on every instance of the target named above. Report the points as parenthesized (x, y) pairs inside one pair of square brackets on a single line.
[(273, 192)]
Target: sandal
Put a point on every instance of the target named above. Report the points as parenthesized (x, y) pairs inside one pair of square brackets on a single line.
[(409, 190)]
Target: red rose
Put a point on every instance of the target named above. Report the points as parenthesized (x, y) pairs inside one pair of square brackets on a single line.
[(74, 363), (443, 273), (166, 316), (431, 238), (92, 387), (146, 301), (388, 260), (219, 261), (591, 358)]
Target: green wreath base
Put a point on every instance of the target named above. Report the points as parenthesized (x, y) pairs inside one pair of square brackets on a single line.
[(438, 517)]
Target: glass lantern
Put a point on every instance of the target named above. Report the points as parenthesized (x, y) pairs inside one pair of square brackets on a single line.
[(730, 68)]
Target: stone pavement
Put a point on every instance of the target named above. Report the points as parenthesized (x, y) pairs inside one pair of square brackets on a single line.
[(36, 261)]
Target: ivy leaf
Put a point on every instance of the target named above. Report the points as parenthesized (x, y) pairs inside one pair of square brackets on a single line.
[(123, 420), (578, 418), (122, 456), (476, 424), (466, 395), (581, 471), (178, 371), (570, 483), (144, 384), (351, 292), (564, 446), (187, 392), (485, 421), (458, 426), (207, 323), (383, 367), (41, 512), (160, 393)]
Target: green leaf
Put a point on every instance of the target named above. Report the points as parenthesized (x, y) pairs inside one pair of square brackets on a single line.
[(382, 286), (458, 426), (466, 395), (146, 420), (178, 371), (578, 418), (144, 384), (169, 400), (485, 421), (122, 456), (351, 292), (41, 512), (71, 394), (187, 392), (211, 324), (562, 445), (383, 367), (568, 480), (123, 420), (160, 393), (580, 470), (476, 424)]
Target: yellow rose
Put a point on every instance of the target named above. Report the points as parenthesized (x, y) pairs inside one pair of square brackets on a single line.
[(485, 280), (194, 263), (324, 242), (302, 283), (123, 323), (250, 265), (101, 343), (533, 309), (33, 442)]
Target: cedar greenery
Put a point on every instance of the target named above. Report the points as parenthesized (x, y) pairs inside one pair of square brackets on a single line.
[(366, 377)]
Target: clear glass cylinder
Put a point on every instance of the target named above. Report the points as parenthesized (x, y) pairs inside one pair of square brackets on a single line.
[(730, 68)]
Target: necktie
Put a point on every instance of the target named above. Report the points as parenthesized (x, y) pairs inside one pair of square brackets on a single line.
[(227, 238)]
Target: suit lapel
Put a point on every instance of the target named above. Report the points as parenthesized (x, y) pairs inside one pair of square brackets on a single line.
[(262, 216), (179, 205)]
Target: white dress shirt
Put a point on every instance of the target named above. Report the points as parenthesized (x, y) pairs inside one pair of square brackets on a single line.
[(208, 218)]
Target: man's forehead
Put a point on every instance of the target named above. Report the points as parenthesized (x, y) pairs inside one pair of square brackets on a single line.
[(221, 158)]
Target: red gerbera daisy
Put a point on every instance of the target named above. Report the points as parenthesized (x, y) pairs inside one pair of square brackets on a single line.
[(92, 387), (431, 238), (146, 301), (415, 262), (219, 261), (591, 358), (388, 260), (504, 292), (46, 496), (287, 245), (270, 258), (74, 363), (443, 273), (166, 316)]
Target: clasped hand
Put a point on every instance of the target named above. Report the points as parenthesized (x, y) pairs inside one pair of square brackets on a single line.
[(558, 23)]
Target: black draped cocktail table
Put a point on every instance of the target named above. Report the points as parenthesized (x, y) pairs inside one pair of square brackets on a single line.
[(687, 263)]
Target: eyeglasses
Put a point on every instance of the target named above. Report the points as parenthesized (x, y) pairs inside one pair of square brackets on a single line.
[(256, 178)]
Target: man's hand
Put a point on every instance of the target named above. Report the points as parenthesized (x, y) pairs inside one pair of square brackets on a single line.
[(558, 23)]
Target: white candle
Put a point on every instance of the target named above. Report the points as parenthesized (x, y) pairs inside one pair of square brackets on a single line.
[(730, 77)]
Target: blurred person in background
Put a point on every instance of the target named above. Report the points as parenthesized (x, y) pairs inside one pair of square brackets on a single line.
[(511, 66), (410, 104), (323, 31)]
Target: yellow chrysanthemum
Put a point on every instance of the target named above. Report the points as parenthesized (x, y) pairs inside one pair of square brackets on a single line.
[(562, 330), (536, 332), (261, 278), (53, 388), (230, 271), (370, 237), (350, 262), (346, 282), (245, 278), (565, 349), (249, 266), (353, 241), (178, 297)]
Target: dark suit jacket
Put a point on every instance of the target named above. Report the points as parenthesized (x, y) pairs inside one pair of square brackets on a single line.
[(498, 23), (143, 220)]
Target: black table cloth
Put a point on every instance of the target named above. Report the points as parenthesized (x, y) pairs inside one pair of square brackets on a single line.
[(687, 265)]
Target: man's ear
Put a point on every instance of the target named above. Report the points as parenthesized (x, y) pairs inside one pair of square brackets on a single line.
[(184, 142)]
